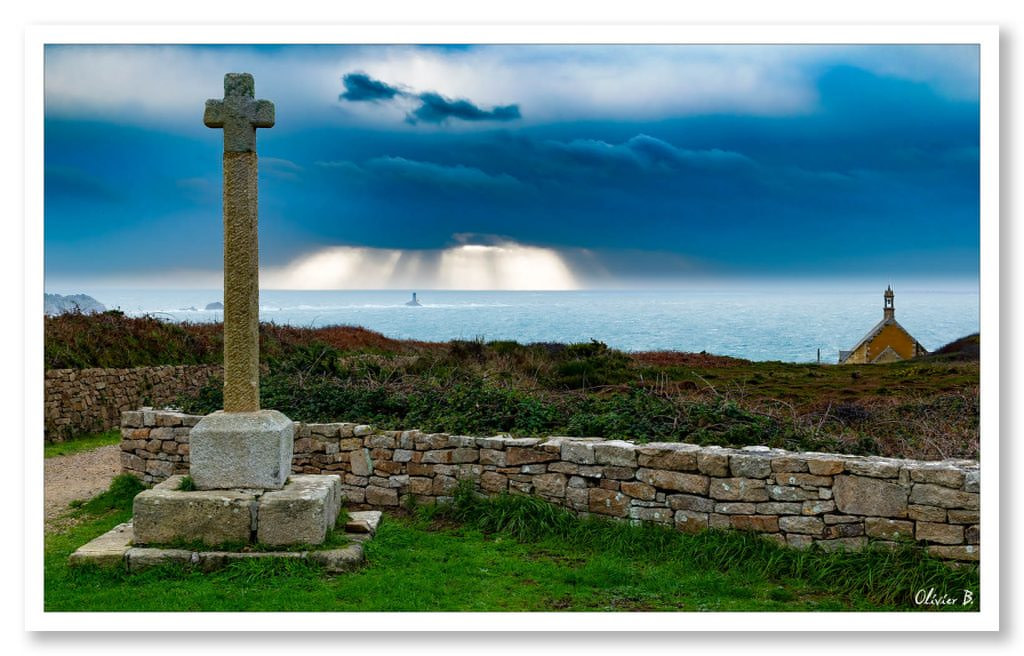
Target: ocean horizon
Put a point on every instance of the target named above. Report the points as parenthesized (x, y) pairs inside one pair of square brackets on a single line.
[(764, 323)]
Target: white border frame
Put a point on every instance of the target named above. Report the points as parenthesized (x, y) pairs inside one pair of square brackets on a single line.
[(987, 37)]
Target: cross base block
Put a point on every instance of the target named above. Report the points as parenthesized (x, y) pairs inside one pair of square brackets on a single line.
[(232, 450)]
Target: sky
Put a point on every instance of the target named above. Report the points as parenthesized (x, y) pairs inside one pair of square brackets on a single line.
[(520, 167)]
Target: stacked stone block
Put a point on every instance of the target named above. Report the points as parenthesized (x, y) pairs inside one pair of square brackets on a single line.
[(81, 401), (798, 499)]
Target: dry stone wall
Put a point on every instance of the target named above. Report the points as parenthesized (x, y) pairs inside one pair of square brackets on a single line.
[(797, 499), (90, 400)]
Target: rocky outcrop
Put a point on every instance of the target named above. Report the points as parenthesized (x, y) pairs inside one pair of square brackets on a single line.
[(54, 304)]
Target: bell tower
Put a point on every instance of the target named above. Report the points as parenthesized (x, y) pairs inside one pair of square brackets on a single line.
[(889, 311)]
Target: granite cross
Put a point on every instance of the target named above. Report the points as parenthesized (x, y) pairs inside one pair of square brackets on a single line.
[(239, 115)]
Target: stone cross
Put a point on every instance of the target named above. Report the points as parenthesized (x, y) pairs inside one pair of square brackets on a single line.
[(239, 115)]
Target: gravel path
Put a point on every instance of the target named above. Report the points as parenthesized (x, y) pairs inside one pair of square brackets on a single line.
[(77, 476)]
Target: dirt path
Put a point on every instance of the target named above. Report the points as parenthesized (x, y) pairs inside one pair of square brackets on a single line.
[(77, 476)]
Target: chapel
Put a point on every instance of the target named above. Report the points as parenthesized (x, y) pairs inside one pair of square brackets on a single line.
[(888, 341)]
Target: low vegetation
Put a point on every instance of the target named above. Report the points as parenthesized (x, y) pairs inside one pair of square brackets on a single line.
[(81, 444), (926, 408), (516, 554)]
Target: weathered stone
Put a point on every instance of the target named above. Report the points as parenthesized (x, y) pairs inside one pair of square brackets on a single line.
[(843, 530), (403, 455), (926, 513), (967, 552), (618, 473), (817, 507), (139, 559), (615, 452), (336, 561), (164, 515), (938, 475), (552, 485), (493, 443), (972, 534), (516, 455), (420, 485), (738, 489), (533, 469), (608, 502), (789, 493), (131, 419), (360, 462), (493, 457), (859, 495), (689, 521), (713, 464), (301, 513), (438, 456), (824, 466), (363, 521), (465, 454), (797, 541), (381, 441), (944, 497), (719, 521), (609, 485), (637, 490), (323, 430), (758, 523), (241, 450), (783, 464), (961, 517), (874, 468), (842, 519), (362, 430), (581, 453), (735, 508), (940, 533), (843, 544), (108, 550), (674, 457), (799, 524), (804, 480), (888, 529), (658, 515), (381, 496), (670, 480), (972, 481), (750, 466), (563, 467), (778, 508), (493, 482), (690, 502), (350, 444)]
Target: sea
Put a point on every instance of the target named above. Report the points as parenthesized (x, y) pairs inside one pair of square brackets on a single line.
[(783, 323)]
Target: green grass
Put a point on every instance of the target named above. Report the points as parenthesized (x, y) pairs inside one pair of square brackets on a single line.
[(516, 554), (80, 444)]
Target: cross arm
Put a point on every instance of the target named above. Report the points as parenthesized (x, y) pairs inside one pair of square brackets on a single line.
[(263, 114), (213, 117)]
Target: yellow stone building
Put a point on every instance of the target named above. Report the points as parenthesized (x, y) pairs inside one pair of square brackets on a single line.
[(888, 341)]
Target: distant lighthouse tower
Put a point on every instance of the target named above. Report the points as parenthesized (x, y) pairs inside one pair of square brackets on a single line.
[(413, 302)]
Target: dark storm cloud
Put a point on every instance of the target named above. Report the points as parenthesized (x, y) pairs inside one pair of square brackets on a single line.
[(437, 109), (433, 108), (360, 87)]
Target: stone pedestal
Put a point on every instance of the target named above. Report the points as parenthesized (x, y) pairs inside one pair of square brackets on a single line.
[(250, 450), (299, 514)]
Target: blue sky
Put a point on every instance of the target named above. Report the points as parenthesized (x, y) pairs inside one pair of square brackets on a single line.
[(520, 166)]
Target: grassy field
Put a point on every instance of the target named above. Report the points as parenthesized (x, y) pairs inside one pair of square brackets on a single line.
[(82, 443), (926, 408), (511, 554)]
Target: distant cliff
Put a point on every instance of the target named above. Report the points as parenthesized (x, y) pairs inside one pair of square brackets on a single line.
[(56, 304)]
